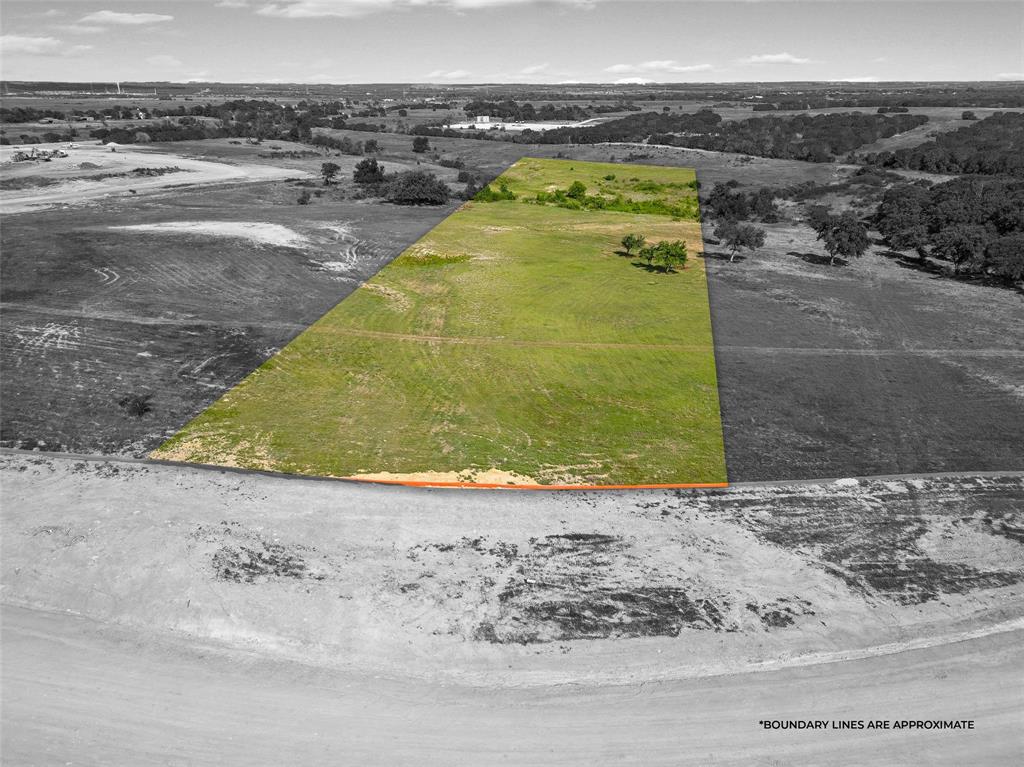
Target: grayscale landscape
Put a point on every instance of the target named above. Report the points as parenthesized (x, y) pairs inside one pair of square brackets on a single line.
[(169, 243)]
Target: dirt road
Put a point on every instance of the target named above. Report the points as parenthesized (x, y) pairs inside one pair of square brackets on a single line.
[(74, 186), (162, 614), (83, 694)]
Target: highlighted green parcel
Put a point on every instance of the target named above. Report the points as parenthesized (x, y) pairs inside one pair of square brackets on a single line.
[(516, 343)]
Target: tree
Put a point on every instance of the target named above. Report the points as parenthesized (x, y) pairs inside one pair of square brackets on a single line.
[(371, 146), (671, 254), (961, 244), (725, 203), (420, 144), (649, 253), (738, 236), (631, 241), (305, 197), (968, 116), (368, 171), (1005, 257), (902, 218), (416, 187), (844, 235), (762, 205), (329, 170), (818, 217), (576, 191)]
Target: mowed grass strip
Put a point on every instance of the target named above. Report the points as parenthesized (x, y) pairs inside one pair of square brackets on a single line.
[(514, 336)]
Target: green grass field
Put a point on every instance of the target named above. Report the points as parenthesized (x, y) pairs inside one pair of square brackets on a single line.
[(515, 343)]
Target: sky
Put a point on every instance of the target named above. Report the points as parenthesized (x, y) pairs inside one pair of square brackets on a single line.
[(521, 41)]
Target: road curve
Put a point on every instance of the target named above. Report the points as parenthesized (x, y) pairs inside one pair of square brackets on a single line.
[(78, 692)]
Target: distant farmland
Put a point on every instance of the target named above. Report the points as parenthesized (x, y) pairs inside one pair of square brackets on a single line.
[(515, 344)]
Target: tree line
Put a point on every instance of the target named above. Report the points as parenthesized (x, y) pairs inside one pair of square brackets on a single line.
[(510, 109), (993, 146), (976, 225), (816, 138)]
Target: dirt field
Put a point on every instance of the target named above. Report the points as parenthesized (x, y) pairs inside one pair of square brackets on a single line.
[(154, 294), (335, 611), (63, 180)]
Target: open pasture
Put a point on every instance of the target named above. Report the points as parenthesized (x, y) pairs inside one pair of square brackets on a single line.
[(605, 365)]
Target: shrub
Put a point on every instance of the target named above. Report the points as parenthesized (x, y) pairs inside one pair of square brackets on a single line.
[(136, 405), (416, 188), (576, 191), (368, 171), (487, 194)]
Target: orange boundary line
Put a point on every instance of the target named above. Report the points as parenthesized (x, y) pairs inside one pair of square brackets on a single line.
[(500, 486)]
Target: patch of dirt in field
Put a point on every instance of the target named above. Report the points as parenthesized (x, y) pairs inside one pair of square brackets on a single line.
[(397, 300), (596, 586), (243, 555), (466, 476), (969, 542), (253, 231), (889, 540), (215, 448)]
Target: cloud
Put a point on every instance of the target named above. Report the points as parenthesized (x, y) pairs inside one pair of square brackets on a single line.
[(31, 45), (312, 9), (123, 19), (632, 81), (455, 74), (536, 69), (774, 58), (1009, 76), (233, 4), (667, 66), (863, 79), (52, 13), (81, 29), (164, 61)]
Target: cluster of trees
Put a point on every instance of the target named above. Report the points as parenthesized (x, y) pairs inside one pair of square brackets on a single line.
[(664, 255), (514, 111), (577, 198), (816, 138), (488, 194), (163, 131), (415, 187), (991, 146), (28, 114), (345, 145), (977, 226), (727, 202)]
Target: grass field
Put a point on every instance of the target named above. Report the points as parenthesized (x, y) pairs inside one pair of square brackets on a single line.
[(513, 344)]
